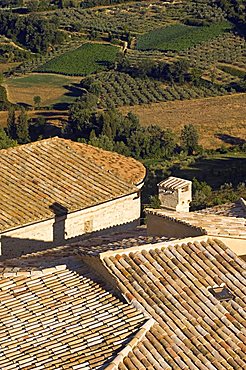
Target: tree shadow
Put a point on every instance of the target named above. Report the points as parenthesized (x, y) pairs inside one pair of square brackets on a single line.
[(74, 90), (24, 105), (62, 106), (215, 171), (228, 139)]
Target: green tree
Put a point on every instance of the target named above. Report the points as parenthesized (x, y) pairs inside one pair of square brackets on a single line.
[(22, 128), (37, 101), (103, 142), (5, 140), (189, 139), (11, 123)]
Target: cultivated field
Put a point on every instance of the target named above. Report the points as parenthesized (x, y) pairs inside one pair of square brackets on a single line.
[(87, 59), (52, 89), (218, 119), (179, 36)]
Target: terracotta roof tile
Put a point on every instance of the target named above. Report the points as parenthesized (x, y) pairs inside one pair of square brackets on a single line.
[(62, 320), (207, 224), (36, 176), (193, 329), (236, 209)]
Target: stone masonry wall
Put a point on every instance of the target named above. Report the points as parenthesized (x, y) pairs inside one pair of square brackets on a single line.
[(120, 213)]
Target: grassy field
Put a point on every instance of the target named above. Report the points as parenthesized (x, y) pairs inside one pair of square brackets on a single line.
[(52, 89), (89, 58), (180, 37), (218, 119)]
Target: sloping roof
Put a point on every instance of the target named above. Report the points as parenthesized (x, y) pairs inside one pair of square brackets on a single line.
[(39, 175), (207, 224), (235, 209), (126, 168), (169, 281), (193, 329), (174, 183), (58, 318)]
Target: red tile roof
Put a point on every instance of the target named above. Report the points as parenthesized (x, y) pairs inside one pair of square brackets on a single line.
[(36, 175)]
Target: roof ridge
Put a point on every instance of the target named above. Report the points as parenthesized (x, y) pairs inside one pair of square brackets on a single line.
[(6, 272), (147, 247), (19, 146), (114, 364)]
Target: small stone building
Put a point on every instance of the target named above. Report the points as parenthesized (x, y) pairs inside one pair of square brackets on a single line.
[(54, 191), (175, 194)]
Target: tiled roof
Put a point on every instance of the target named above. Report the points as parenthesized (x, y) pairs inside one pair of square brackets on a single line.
[(209, 224), (41, 174), (90, 246), (126, 168), (174, 183), (236, 209), (60, 319), (193, 329), (169, 281)]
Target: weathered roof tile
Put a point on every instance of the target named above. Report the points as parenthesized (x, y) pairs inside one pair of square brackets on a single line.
[(39, 176)]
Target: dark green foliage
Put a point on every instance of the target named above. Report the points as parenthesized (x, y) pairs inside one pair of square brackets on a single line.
[(87, 59), (204, 196), (22, 128), (113, 131), (4, 103), (189, 139), (9, 54), (11, 124), (37, 101), (35, 33), (234, 9), (5, 140)]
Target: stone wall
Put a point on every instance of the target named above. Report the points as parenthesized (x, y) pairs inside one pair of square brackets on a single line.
[(160, 226), (115, 215)]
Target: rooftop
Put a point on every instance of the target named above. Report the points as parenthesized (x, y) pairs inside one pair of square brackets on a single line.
[(37, 176), (193, 329), (174, 183), (172, 319), (61, 318), (206, 223), (235, 209)]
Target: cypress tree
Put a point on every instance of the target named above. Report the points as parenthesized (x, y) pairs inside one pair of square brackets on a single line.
[(11, 124), (22, 128)]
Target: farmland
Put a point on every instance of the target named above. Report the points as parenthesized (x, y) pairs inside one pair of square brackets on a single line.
[(218, 119), (87, 59), (118, 89), (157, 59), (180, 37), (52, 89)]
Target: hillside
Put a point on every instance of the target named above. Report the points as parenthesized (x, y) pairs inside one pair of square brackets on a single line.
[(219, 120)]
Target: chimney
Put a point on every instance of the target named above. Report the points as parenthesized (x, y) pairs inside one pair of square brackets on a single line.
[(175, 194)]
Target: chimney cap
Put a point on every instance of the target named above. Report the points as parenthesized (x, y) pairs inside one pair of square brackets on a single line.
[(174, 183)]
